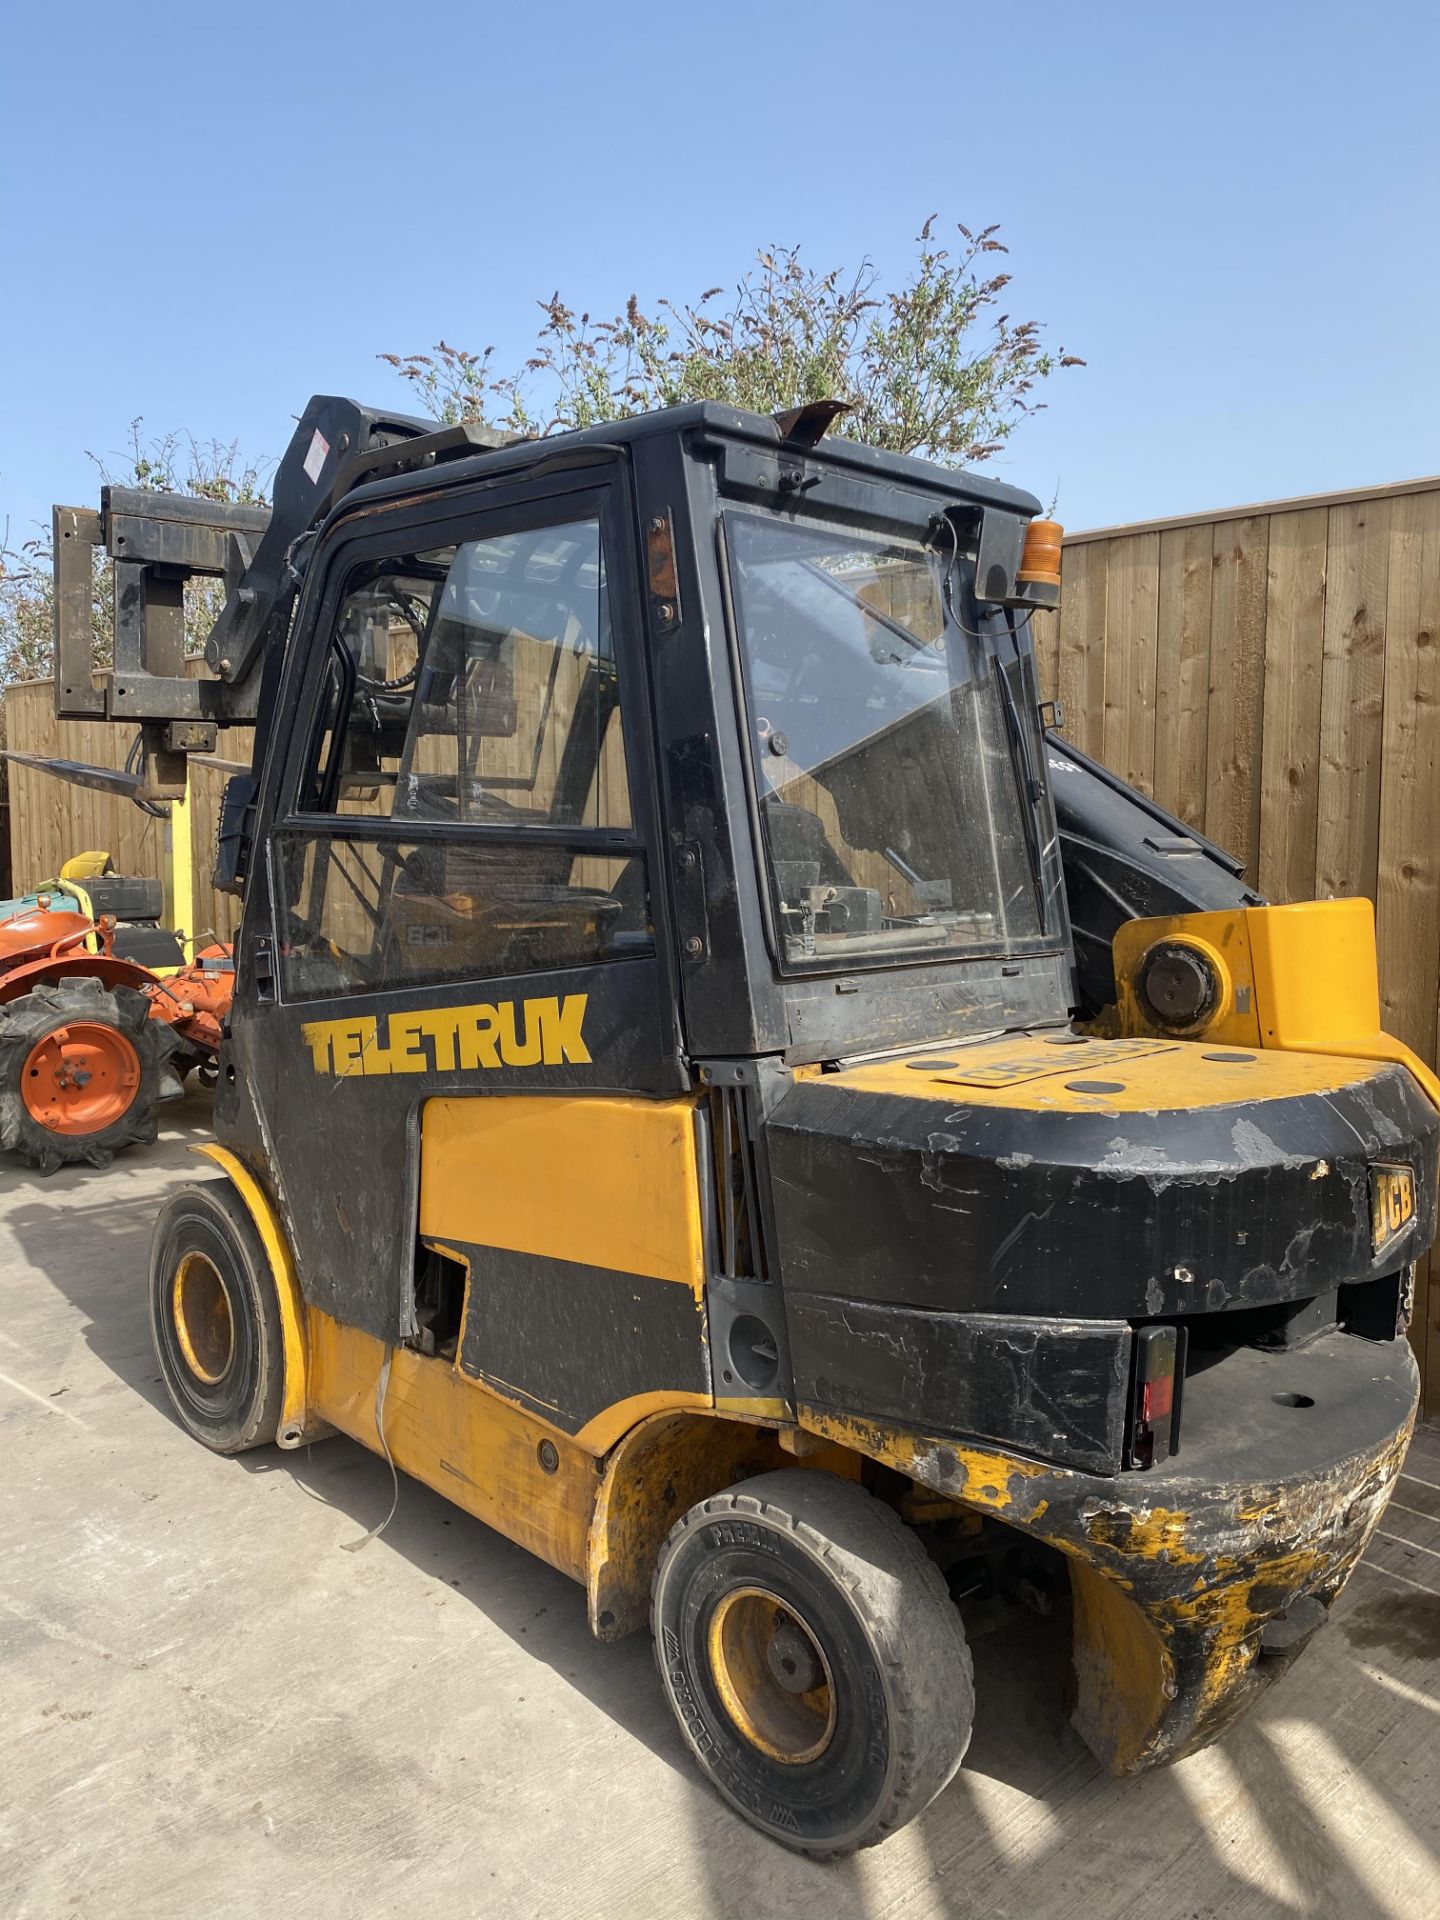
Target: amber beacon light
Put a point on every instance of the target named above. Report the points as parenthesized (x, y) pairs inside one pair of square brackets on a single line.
[(1040, 562)]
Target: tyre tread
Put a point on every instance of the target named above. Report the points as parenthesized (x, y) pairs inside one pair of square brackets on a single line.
[(917, 1639), (259, 1421)]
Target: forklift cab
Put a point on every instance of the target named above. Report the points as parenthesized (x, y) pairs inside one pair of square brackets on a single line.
[(716, 754), (662, 1108)]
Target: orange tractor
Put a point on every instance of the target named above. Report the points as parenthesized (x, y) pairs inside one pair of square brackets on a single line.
[(92, 1038)]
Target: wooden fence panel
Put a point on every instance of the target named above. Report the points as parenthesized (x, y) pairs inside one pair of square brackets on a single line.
[(1351, 693), (50, 820), (1182, 675), (1290, 719), (1127, 735), (1408, 859), (1081, 682), (1237, 676)]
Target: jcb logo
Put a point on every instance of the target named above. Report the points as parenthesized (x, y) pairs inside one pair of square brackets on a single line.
[(534, 1033), (1392, 1203)]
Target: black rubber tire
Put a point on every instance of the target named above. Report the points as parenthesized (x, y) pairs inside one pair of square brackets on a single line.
[(26, 1021), (241, 1409), (881, 1614)]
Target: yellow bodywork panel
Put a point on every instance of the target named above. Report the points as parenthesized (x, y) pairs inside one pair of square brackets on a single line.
[(1317, 984), (1306, 976), (295, 1427), (1224, 940), (477, 1450), (603, 1182)]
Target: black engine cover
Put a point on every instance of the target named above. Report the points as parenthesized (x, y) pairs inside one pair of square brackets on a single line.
[(975, 1268), (1095, 1215)]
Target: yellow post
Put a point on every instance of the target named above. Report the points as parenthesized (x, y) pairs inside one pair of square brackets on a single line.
[(179, 872)]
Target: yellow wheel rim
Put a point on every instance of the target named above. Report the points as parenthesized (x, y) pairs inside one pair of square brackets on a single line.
[(201, 1312), (772, 1676)]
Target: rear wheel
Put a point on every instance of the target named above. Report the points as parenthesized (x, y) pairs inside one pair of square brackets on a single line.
[(215, 1319), (82, 1070), (814, 1659)]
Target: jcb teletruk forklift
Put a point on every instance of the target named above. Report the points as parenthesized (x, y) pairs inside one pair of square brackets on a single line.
[(719, 1090)]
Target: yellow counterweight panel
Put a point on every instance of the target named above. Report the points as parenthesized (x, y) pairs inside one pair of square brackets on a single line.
[(1300, 979), (603, 1182), (1170, 1600), (1146, 1076), (1317, 983), (1122, 1669), (989, 1478)]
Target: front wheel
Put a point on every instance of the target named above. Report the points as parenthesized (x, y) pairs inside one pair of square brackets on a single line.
[(814, 1659), (215, 1319)]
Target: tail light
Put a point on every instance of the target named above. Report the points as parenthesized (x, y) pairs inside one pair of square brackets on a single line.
[(1156, 1389)]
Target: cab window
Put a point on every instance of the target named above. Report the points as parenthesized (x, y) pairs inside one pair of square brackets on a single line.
[(470, 698), (479, 685)]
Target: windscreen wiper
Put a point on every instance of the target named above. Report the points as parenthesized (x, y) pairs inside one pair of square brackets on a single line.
[(1024, 761)]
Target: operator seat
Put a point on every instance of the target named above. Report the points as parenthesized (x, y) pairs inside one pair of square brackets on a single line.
[(801, 849)]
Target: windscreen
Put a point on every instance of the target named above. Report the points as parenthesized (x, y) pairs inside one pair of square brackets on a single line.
[(895, 749)]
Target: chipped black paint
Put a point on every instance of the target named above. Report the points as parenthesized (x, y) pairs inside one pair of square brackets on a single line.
[(932, 1203), (567, 1341), (1053, 1388)]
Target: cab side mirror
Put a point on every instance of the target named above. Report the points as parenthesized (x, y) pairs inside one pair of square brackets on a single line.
[(235, 833)]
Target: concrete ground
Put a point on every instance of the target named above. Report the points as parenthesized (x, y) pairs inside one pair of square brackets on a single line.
[(210, 1708)]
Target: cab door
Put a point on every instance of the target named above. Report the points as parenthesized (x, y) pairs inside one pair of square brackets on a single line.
[(455, 910)]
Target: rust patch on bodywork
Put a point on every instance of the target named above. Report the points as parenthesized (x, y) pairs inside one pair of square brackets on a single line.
[(1172, 1594), (975, 1476), (654, 1475)]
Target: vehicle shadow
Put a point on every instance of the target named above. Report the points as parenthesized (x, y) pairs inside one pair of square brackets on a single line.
[(88, 1233)]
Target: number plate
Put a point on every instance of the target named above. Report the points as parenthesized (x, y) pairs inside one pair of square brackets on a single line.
[(1392, 1203)]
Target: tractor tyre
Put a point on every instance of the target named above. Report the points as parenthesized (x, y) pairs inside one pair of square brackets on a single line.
[(814, 1659), (82, 1070)]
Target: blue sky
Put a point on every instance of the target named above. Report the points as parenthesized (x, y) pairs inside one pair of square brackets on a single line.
[(209, 213)]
